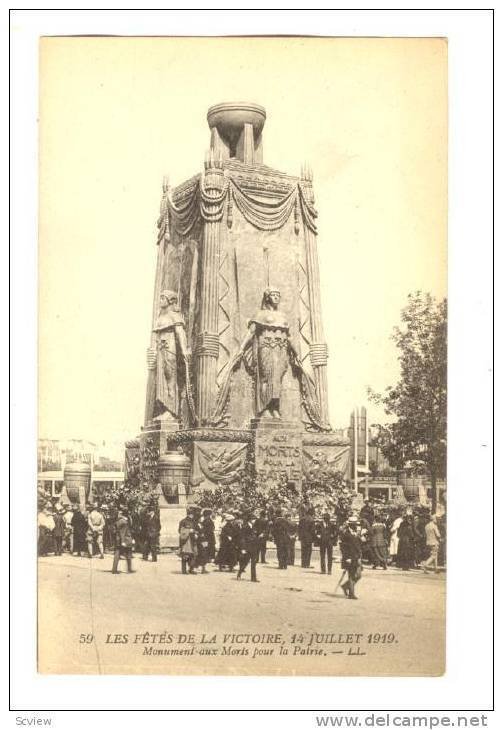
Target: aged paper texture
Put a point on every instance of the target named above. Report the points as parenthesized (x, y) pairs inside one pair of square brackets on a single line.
[(215, 493)]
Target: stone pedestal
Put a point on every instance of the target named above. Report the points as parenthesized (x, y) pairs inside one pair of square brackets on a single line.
[(170, 515), (184, 461), (277, 451)]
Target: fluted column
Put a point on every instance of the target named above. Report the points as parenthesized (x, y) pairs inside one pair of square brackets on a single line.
[(207, 344), (245, 149), (318, 349)]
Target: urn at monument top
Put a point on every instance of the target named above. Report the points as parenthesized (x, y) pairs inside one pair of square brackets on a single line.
[(236, 131), (77, 482)]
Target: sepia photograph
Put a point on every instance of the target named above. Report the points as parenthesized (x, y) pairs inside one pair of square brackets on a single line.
[(242, 430)]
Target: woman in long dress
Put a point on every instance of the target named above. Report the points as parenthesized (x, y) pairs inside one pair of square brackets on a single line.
[(80, 526), (394, 540), (227, 555), (378, 541), (205, 540), (405, 554)]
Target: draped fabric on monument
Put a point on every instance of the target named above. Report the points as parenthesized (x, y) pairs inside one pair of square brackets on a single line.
[(186, 215), (266, 215)]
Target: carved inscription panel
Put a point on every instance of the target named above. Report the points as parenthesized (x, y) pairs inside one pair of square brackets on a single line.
[(278, 455)]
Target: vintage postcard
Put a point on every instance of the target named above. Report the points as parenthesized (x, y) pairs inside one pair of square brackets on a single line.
[(243, 356)]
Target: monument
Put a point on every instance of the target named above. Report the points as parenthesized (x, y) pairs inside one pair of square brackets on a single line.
[(237, 363)]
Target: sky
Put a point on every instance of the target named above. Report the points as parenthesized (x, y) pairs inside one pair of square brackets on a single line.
[(116, 115)]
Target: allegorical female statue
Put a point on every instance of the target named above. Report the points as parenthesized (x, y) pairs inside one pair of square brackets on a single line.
[(267, 351), (170, 357), (269, 336)]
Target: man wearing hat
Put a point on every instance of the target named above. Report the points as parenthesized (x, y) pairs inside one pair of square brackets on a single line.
[(351, 549), (108, 530), (327, 538), (59, 529), (261, 526), (433, 538), (307, 536), (281, 535), (367, 513), (188, 541), (68, 517), (206, 540), (123, 541), (136, 528), (248, 546), (79, 525), (227, 553), (96, 525), (292, 537), (151, 529)]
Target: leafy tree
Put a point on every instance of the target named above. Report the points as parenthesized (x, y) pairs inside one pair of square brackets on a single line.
[(419, 400)]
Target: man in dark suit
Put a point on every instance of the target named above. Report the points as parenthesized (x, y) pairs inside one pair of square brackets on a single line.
[(151, 529), (327, 537), (261, 526), (205, 540), (351, 549), (123, 541), (281, 534), (367, 513), (188, 541), (248, 546), (79, 524), (292, 538), (307, 535)]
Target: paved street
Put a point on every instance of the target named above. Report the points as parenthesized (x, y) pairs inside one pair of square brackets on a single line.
[(289, 623)]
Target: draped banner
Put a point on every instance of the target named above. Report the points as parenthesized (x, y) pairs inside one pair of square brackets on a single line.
[(263, 214), (186, 215)]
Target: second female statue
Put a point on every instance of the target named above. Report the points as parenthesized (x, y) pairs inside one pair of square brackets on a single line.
[(170, 357)]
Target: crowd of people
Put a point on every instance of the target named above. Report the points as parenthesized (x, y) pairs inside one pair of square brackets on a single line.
[(243, 536), (95, 530), (379, 535), (409, 536)]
